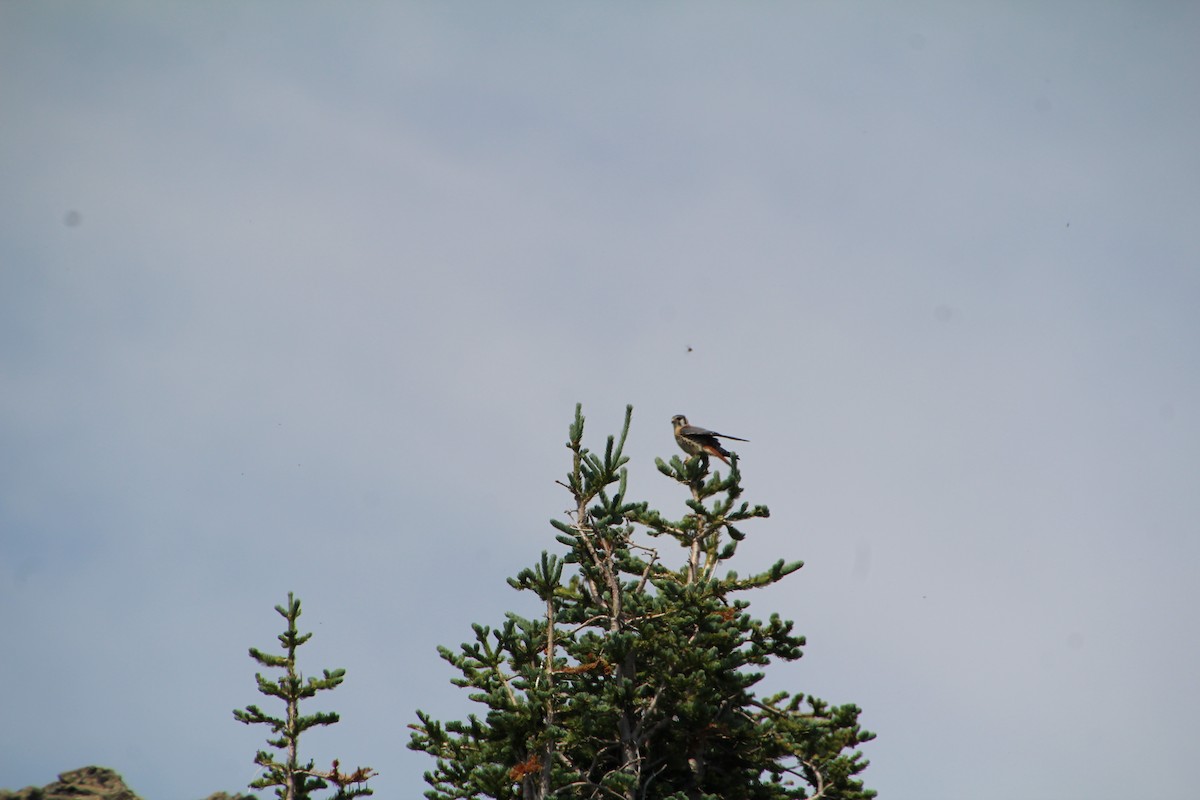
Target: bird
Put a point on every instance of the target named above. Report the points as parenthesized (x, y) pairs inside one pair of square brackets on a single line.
[(699, 441)]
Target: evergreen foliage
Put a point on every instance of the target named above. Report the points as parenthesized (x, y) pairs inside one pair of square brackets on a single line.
[(296, 781), (636, 682)]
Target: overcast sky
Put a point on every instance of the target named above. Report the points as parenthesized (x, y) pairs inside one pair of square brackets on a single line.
[(301, 297)]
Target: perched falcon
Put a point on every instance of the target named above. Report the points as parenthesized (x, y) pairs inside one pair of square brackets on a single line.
[(699, 441)]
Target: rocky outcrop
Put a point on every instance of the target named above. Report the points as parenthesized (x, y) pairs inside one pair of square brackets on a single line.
[(88, 783), (91, 783)]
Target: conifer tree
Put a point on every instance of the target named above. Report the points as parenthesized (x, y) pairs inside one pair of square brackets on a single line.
[(294, 780), (636, 681)]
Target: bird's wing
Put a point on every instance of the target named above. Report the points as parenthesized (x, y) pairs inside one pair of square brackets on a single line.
[(692, 430)]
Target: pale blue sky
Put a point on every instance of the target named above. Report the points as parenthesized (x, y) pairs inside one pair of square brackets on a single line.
[(301, 297)]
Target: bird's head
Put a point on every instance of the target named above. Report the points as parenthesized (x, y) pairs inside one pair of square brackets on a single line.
[(678, 421)]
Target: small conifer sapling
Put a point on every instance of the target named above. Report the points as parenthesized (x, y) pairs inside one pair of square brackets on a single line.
[(292, 779)]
